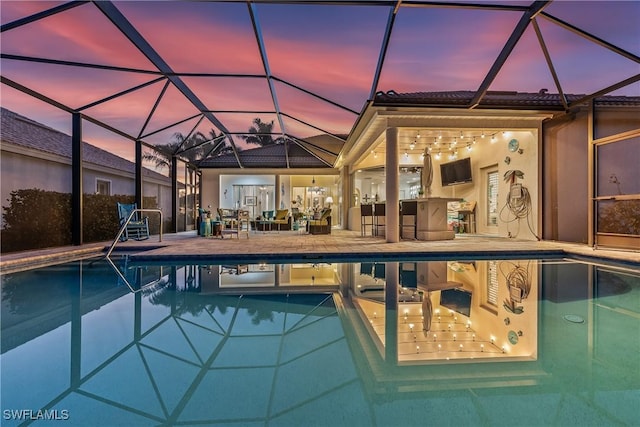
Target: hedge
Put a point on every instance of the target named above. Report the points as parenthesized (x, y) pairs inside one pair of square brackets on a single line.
[(37, 219)]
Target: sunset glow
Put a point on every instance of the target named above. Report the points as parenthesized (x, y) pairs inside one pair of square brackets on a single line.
[(321, 59)]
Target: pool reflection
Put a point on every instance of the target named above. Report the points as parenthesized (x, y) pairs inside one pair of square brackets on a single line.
[(207, 344), (449, 310)]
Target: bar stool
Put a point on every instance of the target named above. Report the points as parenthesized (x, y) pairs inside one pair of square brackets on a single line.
[(379, 216), (366, 211)]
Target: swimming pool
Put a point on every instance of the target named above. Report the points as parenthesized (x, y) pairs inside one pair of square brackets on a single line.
[(385, 343)]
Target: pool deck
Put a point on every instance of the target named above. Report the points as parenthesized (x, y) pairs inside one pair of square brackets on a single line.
[(341, 244)]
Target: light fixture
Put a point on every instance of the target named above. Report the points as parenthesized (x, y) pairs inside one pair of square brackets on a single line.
[(418, 136), (406, 155), (412, 145), (328, 201), (313, 180)]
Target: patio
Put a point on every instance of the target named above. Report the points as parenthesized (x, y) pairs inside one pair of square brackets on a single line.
[(291, 244)]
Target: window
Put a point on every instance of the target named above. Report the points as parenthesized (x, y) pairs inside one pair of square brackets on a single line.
[(492, 198), (492, 283), (103, 187)]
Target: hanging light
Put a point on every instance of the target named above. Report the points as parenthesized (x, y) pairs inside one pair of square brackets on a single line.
[(413, 144), (418, 136)]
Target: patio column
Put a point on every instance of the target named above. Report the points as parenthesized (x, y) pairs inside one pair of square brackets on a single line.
[(391, 312), (278, 196), (138, 178), (174, 194), (76, 179), (392, 164)]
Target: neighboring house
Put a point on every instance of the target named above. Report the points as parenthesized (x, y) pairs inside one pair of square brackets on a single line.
[(37, 156)]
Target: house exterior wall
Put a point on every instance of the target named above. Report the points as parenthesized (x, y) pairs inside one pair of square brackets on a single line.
[(565, 179), (53, 173), (486, 156), (20, 171), (23, 168)]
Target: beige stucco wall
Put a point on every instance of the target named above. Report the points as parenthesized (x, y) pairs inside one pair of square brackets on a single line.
[(565, 178)]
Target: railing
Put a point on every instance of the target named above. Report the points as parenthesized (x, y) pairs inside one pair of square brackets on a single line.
[(126, 223), (126, 282)]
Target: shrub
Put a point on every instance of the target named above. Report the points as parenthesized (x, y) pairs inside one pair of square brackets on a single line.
[(37, 219)]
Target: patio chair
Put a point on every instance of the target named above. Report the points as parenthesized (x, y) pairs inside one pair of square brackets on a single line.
[(282, 219), (137, 228), (227, 220), (321, 225)]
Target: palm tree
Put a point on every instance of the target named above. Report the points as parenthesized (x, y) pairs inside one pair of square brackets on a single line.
[(261, 133), (193, 148)]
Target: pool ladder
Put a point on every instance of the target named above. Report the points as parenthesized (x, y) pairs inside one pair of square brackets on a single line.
[(126, 223)]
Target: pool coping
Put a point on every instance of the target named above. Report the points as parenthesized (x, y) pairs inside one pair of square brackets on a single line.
[(341, 245)]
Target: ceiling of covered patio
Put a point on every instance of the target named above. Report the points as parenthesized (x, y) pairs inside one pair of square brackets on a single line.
[(245, 74)]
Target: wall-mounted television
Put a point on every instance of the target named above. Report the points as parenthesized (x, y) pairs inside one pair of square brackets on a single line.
[(456, 300), (456, 172)]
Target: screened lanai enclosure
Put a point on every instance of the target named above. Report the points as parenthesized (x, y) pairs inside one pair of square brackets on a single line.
[(144, 101)]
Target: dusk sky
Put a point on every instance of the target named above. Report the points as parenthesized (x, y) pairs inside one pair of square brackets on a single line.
[(331, 51)]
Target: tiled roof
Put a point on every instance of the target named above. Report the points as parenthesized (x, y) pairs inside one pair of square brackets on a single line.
[(541, 99), (24, 132), (270, 156)]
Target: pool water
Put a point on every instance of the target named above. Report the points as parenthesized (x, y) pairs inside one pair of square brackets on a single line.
[(416, 343)]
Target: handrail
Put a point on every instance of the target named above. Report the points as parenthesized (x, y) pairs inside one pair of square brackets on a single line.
[(126, 282), (124, 226)]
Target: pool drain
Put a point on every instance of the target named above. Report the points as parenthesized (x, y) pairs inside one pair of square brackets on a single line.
[(573, 318)]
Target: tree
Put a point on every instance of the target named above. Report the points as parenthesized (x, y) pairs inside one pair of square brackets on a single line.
[(261, 133), (193, 148)]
